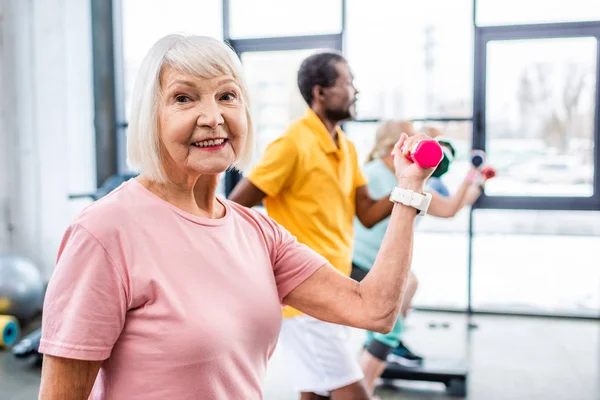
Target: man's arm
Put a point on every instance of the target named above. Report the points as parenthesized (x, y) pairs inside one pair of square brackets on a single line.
[(370, 211), (67, 379), (246, 193)]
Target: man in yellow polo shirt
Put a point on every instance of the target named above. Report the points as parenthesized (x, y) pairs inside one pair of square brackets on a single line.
[(310, 182)]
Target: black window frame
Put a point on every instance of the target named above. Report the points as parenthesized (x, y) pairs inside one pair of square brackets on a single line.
[(484, 35)]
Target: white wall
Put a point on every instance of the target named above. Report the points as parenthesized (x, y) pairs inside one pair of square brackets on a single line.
[(47, 123), (4, 145)]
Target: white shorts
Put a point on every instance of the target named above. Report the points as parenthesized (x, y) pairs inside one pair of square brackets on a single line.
[(319, 355)]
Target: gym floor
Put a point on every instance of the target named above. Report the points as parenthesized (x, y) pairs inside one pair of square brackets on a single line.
[(510, 358)]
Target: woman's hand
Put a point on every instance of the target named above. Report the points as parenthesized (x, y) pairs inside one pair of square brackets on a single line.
[(408, 173), (474, 176)]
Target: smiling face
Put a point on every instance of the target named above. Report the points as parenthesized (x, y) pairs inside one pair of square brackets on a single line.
[(202, 122)]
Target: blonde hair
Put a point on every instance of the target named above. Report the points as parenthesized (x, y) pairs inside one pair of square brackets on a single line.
[(387, 134), (432, 132), (199, 56)]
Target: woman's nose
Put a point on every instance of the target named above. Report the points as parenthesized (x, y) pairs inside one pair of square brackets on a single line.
[(210, 115)]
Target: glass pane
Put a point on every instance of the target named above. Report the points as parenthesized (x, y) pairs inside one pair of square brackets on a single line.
[(275, 99), (440, 262), (540, 116), (274, 18), (362, 134), (146, 21), (409, 62), (536, 261), (440, 258), (442, 283), (514, 12)]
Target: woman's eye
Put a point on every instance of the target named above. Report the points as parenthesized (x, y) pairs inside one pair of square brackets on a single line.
[(228, 97), (182, 99)]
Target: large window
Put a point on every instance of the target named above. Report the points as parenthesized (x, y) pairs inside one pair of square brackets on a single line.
[(540, 109), (415, 59), (513, 12), (536, 261), (275, 18), (516, 78), (536, 109)]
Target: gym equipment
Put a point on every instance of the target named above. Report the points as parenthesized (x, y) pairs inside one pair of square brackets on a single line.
[(426, 153), (27, 348), (477, 158), (478, 161), (453, 374), (22, 287), (488, 173), (9, 330), (448, 157)]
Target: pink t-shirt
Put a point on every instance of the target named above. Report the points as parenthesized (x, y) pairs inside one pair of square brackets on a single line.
[(179, 307)]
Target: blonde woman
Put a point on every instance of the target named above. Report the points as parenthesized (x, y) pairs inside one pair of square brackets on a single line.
[(380, 348)]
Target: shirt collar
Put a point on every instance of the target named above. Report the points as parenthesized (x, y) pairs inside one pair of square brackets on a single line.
[(325, 140)]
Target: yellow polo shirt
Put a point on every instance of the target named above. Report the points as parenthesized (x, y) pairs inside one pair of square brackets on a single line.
[(310, 185)]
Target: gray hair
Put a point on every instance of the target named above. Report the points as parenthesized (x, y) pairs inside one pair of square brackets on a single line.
[(199, 56)]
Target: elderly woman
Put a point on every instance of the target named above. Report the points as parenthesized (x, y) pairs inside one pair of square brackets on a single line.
[(164, 291)]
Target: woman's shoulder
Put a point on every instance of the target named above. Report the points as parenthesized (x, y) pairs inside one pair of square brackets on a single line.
[(106, 215), (256, 217), (239, 211)]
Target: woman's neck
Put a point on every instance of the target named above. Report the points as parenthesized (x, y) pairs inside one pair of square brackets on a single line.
[(194, 196)]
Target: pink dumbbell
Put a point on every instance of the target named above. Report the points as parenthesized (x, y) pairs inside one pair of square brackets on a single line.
[(426, 153)]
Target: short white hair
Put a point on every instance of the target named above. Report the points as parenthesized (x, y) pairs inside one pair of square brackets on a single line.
[(199, 56)]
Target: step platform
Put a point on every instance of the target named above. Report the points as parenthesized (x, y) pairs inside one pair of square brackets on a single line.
[(452, 373)]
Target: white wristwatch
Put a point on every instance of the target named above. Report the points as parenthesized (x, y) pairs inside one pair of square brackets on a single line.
[(412, 199)]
